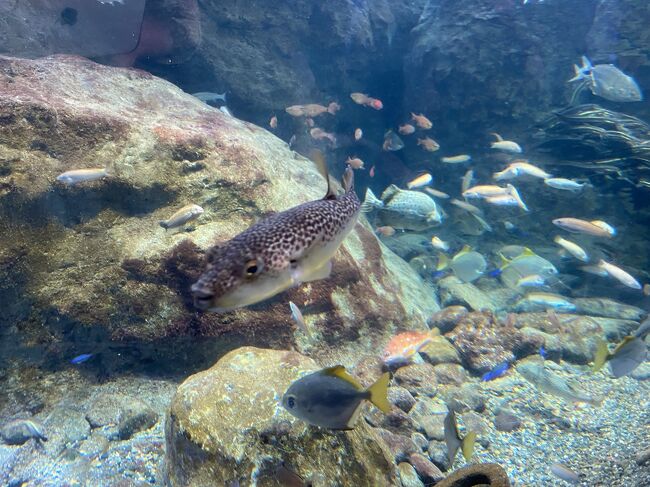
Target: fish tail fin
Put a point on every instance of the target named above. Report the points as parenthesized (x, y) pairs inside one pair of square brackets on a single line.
[(348, 179), (577, 74), (371, 202), (163, 224), (602, 353), (467, 445), (223, 96), (379, 393), (586, 64)]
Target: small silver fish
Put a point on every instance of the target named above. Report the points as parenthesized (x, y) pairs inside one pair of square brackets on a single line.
[(208, 97), (436, 193), (467, 206), (182, 216), (573, 248), (544, 301), (459, 159), (332, 398), (546, 381), (505, 145), (296, 314), (534, 280), (564, 184), (468, 265), (577, 225), (77, 176), (619, 274), (466, 181), (565, 473)]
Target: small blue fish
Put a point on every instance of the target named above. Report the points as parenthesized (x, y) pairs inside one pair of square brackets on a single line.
[(496, 372), (437, 274), (542, 352), (494, 273), (80, 359)]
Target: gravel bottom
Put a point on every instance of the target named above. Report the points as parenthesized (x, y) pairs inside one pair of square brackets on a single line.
[(599, 443)]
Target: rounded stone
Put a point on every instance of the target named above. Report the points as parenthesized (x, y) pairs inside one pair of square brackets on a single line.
[(447, 318), (408, 476), (427, 471), (227, 421), (418, 379), (401, 397)]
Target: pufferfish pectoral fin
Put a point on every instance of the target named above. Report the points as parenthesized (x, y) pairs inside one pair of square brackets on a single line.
[(302, 274)]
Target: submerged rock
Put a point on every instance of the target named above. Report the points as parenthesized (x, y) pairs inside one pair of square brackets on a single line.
[(226, 424), (455, 291), (608, 308), (408, 476), (92, 257), (19, 431)]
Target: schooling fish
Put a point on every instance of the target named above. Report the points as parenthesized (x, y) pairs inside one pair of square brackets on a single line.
[(420, 181), (564, 184), (406, 129), (421, 121), (437, 193), (312, 109), (505, 145), (573, 248), (619, 274), (403, 208), (466, 181), (358, 133), (485, 191), (439, 244), (182, 216), (208, 97), (365, 100), (279, 252), (332, 398), (76, 176), (546, 381), (534, 280), (392, 142), (402, 347), (355, 163), (537, 300), (459, 159), (429, 144), (575, 225), (467, 206), (605, 226), (454, 441), (626, 357), (496, 372)]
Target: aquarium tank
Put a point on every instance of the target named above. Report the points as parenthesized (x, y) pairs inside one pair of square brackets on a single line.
[(342, 243)]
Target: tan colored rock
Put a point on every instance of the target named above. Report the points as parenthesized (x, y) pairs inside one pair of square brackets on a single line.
[(226, 424), (440, 351)]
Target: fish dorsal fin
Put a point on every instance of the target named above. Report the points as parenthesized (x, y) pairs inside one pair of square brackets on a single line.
[(465, 250), (389, 193), (340, 372), (321, 164), (504, 262), (624, 342), (527, 253), (498, 137)]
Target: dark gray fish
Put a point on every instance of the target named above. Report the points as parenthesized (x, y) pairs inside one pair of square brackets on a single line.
[(626, 357), (607, 81), (279, 252), (546, 381), (565, 473), (454, 441), (332, 398)]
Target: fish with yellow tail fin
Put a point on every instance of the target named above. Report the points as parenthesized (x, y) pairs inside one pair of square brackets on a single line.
[(332, 398), (454, 441), (279, 252), (468, 265), (626, 357)]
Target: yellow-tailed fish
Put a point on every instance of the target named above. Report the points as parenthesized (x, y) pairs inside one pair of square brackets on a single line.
[(439, 244), (573, 248), (454, 441), (626, 357)]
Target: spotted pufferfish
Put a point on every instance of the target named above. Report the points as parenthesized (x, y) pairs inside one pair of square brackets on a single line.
[(279, 252)]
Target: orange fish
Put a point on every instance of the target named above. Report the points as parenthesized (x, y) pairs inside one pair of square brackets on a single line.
[(309, 122), (358, 133), (421, 121), (385, 231), (401, 348), (365, 100), (312, 109), (429, 144), (273, 123), (355, 163), (319, 134), (406, 129), (372, 172)]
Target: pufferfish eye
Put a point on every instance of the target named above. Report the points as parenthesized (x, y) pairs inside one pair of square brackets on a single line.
[(252, 267), (291, 402)]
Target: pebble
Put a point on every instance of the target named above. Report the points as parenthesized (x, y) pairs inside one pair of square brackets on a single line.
[(427, 471), (400, 446), (433, 427), (418, 379), (420, 440), (465, 398), (438, 454), (408, 476), (401, 398), (446, 318), (440, 351), (643, 456), (507, 421), (137, 416), (19, 431), (453, 374)]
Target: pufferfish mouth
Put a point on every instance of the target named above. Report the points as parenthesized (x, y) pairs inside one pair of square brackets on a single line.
[(202, 299)]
